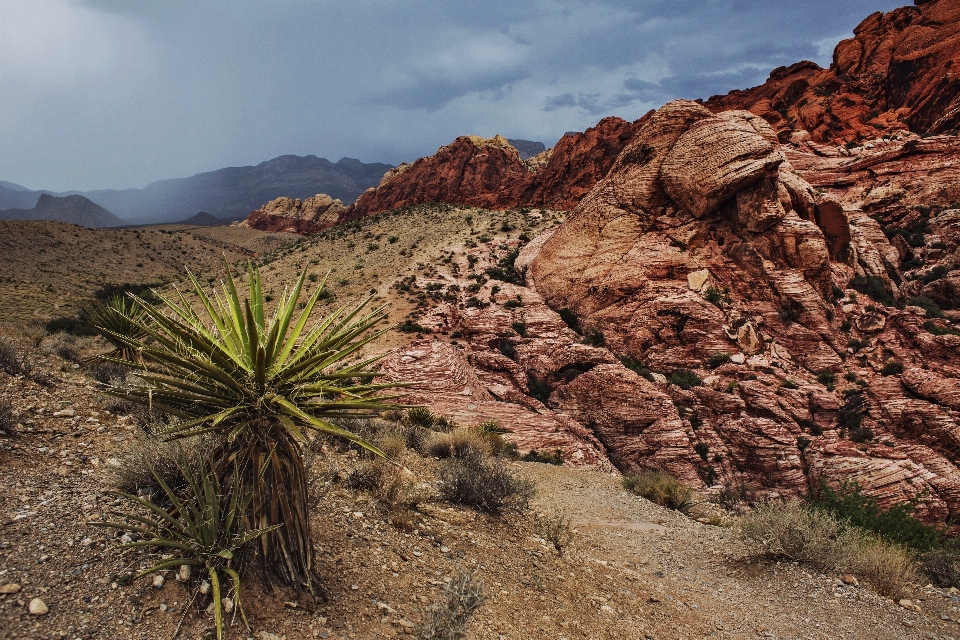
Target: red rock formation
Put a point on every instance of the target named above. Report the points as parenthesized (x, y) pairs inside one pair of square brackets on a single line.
[(894, 74), (291, 215), (488, 172)]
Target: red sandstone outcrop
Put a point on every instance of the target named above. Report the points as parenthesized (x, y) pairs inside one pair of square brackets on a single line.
[(291, 215), (893, 75), (488, 172), (750, 272)]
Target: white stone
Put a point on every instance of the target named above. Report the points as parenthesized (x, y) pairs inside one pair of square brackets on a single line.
[(698, 280), (738, 358), (38, 607)]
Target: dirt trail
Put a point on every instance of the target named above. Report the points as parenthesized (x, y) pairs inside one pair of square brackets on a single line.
[(693, 580)]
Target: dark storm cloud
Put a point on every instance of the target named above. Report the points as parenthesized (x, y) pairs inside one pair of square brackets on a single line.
[(110, 93)]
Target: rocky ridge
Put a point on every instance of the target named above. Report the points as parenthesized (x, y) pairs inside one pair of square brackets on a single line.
[(893, 75)]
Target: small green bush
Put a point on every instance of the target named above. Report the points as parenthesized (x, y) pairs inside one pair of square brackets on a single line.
[(718, 359), (595, 338), (826, 377), (662, 489), (935, 274), (717, 296), (873, 287), (685, 379), (932, 308), (636, 366), (896, 524), (520, 328), (892, 368), (939, 329), (555, 458), (703, 450), (409, 326), (513, 303), (789, 384)]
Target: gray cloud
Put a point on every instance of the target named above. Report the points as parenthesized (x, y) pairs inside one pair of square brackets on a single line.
[(109, 93)]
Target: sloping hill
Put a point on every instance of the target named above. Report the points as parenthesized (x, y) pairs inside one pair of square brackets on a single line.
[(229, 193), (72, 209)]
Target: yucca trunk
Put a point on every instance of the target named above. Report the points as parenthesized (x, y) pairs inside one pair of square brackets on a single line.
[(272, 466)]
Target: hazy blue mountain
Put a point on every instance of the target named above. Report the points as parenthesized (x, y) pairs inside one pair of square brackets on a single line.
[(527, 148), (73, 209), (229, 193)]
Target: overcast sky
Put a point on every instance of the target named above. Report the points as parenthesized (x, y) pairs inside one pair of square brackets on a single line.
[(119, 93)]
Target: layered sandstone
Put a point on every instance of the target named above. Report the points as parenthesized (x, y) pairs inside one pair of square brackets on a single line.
[(893, 75), (677, 256), (295, 216)]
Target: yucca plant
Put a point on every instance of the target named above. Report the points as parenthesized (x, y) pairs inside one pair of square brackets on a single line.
[(118, 316), (258, 383), (205, 525)]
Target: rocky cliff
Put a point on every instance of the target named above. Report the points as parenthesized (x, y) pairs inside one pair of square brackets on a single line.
[(703, 311), (895, 74)]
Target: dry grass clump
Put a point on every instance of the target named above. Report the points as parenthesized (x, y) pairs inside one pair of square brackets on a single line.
[(798, 532), (661, 488), (133, 474), (554, 527), (448, 620), (461, 442)]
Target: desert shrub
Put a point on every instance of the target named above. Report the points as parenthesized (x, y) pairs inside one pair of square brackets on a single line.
[(889, 568), (104, 371), (595, 338), (544, 457), (836, 292), (790, 312), (873, 287), (932, 308), (409, 326), (485, 484), (861, 434), (794, 531), (703, 450), (513, 303), (935, 274), (554, 527), (636, 366), (789, 384), (459, 443), (857, 344), (685, 379), (942, 566), (716, 296), (539, 388), (505, 271), (507, 348), (718, 359), (896, 524), (14, 360), (733, 496), (940, 330), (826, 377), (892, 368), (520, 328), (145, 455), (570, 319), (7, 419), (72, 326), (660, 488), (448, 619)]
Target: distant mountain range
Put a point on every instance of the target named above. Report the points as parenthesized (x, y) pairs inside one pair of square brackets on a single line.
[(74, 209), (229, 193)]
